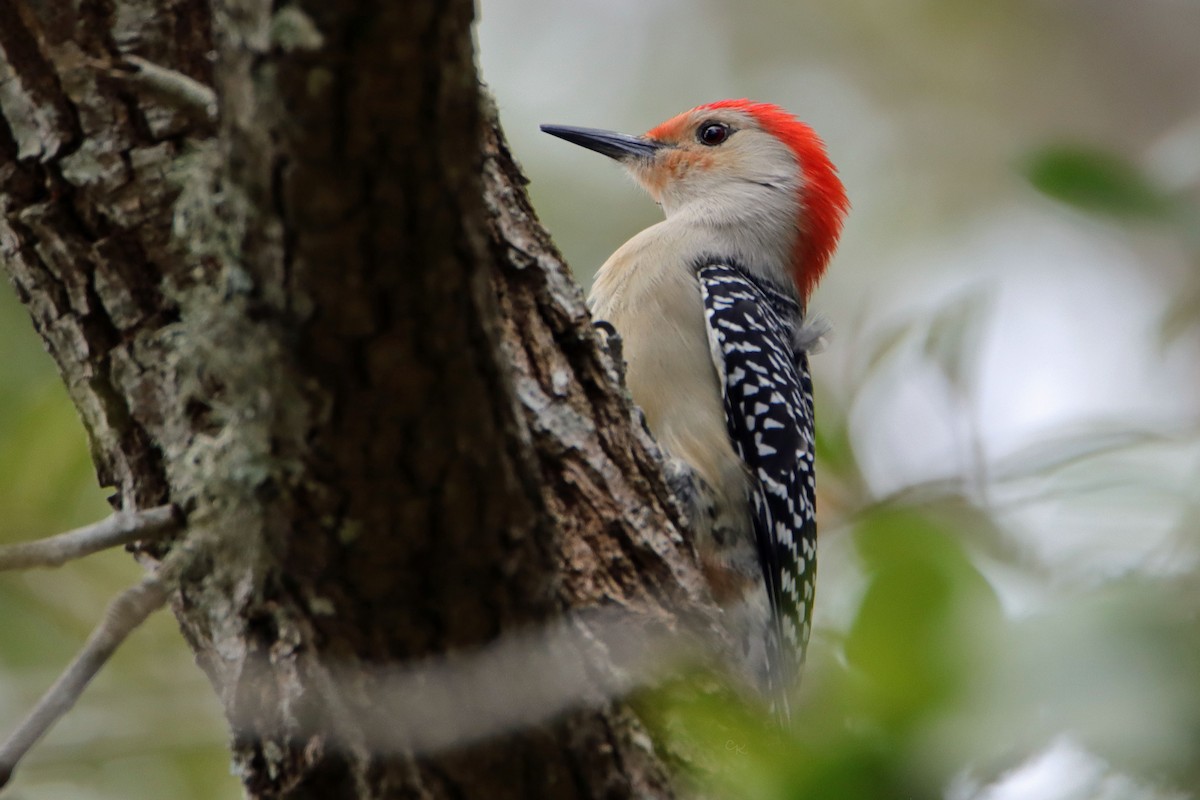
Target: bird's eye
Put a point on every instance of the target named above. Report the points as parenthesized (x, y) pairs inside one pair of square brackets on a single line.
[(712, 133)]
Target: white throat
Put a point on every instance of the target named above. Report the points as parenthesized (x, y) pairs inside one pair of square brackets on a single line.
[(754, 223)]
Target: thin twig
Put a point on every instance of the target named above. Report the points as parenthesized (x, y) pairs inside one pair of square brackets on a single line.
[(185, 93), (123, 616), (121, 528)]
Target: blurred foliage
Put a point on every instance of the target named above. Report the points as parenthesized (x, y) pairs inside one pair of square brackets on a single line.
[(967, 660), (934, 683), (1105, 184), (1098, 182), (934, 687)]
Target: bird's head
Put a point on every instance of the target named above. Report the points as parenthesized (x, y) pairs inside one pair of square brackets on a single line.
[(737, 163)]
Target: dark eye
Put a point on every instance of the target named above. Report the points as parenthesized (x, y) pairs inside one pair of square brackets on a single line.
[(712, 133)]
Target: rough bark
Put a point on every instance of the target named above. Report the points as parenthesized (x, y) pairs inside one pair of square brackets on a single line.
[(330, 329)]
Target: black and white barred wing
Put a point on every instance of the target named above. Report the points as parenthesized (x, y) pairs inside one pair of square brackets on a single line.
[(768, 408)]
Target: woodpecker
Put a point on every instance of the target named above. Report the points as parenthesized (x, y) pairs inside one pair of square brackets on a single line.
[(710, 306)]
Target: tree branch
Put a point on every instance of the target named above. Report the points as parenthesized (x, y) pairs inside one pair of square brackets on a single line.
[(121, 528), (123, 616), (189, 95)]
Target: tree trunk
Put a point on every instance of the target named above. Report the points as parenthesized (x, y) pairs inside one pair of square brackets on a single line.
[(329, 328)]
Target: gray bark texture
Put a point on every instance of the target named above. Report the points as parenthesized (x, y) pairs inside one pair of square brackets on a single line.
[(325, 323)]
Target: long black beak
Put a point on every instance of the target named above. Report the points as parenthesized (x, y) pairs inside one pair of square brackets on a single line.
[(609, 143)]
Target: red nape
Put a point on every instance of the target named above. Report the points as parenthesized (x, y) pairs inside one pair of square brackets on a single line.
[(822, 198)]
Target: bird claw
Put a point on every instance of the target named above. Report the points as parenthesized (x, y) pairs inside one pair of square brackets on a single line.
[(609, 338), (640, 416), (611, 343)]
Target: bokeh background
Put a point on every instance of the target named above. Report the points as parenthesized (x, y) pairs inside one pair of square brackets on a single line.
[(1008, 407)]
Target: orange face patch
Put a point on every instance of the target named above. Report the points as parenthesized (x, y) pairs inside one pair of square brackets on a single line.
[(678, 162), (672, 165)]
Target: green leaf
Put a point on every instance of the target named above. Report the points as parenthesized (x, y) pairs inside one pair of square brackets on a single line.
[(1097, 182), (912, 641)]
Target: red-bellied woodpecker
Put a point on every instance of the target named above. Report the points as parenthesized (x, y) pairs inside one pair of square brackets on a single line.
[(710, 306)]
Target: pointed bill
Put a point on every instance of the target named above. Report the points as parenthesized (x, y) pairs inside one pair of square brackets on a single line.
[(610, 143)]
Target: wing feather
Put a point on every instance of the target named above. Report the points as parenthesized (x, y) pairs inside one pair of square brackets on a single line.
[(767, 391)]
